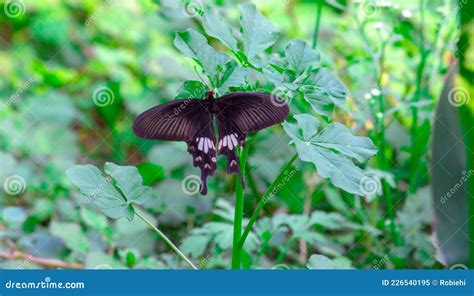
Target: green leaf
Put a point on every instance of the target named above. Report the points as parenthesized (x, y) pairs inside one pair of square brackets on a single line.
[(233, 76), (194, 45), (329, 85), (110, 201), (320, 262), (191, 89), (92, 184), (331, 151), (338, 137), (216, 27), (300, 56), (323, 89), (129, 180), (71, 234), (257, 32)]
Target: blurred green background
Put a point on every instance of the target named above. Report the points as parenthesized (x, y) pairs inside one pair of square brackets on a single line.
[(75, 74)]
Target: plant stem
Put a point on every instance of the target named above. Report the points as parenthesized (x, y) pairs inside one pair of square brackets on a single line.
[(166, 239), (239, 212), (265, 199), (316, 25), (396, 237), (416, 155)]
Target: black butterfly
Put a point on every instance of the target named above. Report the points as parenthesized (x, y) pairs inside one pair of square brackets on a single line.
[(191, 120)]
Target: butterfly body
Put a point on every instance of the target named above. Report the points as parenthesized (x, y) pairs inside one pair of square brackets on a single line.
[(192, 121)]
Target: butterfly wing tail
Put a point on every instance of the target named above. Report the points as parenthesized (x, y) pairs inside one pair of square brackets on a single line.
[(203, 152)]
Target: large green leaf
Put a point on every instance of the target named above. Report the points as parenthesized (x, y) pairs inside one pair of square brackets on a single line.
[(257, 32), (109, 199), (339, 137), (450, 197), (194, 45), (331, 150), (329, 85), (217, 27), (93, 184), (129, 181), (300, 56), (323, 89)]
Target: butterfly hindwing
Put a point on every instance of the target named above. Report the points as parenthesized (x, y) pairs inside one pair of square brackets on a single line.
[(203, 150), (230, 137), (243, 112), (188, 120)]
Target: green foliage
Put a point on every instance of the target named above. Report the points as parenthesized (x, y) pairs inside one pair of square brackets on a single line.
[(75, 75), (331, 150), (116, 199)]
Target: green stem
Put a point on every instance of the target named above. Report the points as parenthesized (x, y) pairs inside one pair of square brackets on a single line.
[(396, 237), (165, 239), (239, 212), (265, 199), (415, 156), (316, 25)]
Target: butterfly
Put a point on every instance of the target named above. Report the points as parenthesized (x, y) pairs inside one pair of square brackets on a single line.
[(192, 121)]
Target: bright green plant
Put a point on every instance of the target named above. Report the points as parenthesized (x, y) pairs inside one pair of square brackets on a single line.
[(296, 76)]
